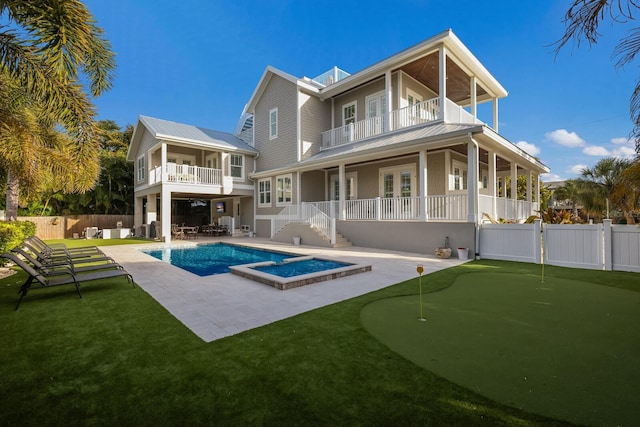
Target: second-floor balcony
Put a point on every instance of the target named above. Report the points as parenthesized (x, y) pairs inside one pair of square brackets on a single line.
[(186, 174), (419, 113)]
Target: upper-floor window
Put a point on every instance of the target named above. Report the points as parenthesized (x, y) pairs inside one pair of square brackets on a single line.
[(349, 113), (264, 192), (273, 123), (283, 190), (237, 165), (140, 168)]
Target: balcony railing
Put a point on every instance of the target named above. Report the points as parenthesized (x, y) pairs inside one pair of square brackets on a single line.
[(422, 112), (185, 174)]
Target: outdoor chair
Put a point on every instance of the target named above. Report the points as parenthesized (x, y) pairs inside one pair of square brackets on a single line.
[(63, 267), (69, 278), (176, 233), (61, 248), (66, 256), (192, 233)]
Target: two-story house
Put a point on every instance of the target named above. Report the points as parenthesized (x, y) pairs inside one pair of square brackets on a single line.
[(393, 156)]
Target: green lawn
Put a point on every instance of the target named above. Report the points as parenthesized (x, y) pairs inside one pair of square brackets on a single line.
[(116, 357)]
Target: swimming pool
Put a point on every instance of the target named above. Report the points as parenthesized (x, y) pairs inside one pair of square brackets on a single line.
[(298, 268), (215, 258)]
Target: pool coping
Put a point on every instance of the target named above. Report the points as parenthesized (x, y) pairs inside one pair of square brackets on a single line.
[(283, 283)]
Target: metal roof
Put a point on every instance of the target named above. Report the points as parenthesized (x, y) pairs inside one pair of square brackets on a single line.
[(165, 129)]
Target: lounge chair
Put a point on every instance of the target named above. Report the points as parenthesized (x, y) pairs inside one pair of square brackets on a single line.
[(61, 247), (63, 267), (69, 278), (65, 256)]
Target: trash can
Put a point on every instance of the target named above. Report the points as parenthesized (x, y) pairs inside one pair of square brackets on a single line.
[(463, 253), (296, 240)]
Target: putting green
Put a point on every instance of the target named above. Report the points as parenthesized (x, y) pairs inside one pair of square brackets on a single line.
[(566, 349)]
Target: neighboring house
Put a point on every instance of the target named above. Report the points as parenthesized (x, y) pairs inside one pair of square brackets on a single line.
[(381, 157)]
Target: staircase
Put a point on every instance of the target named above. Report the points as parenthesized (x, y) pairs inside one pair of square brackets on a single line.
[(309, 235)]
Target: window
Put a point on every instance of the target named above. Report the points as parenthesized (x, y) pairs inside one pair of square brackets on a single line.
[(351, 186), (140, 168), (397, 181), (459, 176), (237, 166), (349, 113), (273, 123), (264, 192), (283, 190)]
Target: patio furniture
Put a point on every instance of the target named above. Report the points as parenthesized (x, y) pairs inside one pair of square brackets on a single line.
[(176, 232), (63, 267), (63, 256), (191, 232), (59, 279)]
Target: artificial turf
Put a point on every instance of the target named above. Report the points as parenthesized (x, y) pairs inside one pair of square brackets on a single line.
[(563, 348), (116, 357)]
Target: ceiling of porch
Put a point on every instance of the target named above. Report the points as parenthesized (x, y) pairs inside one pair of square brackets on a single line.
[(425, 70)]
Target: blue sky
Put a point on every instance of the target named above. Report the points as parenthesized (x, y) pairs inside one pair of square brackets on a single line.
[(198, 62)]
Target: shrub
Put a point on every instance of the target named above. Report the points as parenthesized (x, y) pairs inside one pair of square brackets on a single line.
[(12, 233)]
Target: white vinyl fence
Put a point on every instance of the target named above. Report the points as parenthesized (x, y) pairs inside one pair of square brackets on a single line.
[(594, 246)]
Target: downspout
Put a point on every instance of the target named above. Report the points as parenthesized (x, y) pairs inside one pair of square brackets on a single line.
[(475, 199)]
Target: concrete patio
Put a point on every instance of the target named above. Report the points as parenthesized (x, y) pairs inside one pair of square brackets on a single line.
[(221, 305)]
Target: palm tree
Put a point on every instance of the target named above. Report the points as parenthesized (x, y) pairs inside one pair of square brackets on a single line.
[(57, 47), (582, 20), (600, 186), (569, 191)]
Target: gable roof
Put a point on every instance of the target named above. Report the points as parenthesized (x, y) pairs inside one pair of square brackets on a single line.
[(186, 134)]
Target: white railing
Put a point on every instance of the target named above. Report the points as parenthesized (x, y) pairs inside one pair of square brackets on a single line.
[(287, 214), (319, 220), (452, 207), (507, 209), (457, 114), (422, 112), (185, 174)]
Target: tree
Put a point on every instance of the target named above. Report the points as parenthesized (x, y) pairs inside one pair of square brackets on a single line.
[(570, 192), (600, 186), (582, 21), (47, 48)]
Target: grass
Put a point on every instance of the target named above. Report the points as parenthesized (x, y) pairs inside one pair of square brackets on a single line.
[(118, 357)]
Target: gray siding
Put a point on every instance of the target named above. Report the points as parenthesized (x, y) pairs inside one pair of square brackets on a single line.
[(436, 178), (315, 118), (274, 209), (313, 186), (281, 151), (357, 95)]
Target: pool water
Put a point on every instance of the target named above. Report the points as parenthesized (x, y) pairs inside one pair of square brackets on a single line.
[(206, 260), (298, 268)]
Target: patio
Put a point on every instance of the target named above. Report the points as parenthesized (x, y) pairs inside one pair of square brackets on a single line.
[(214, 307)]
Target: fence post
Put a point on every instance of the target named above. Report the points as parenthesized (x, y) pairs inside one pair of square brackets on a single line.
[(537, 240), (607, 247), (333, 231)]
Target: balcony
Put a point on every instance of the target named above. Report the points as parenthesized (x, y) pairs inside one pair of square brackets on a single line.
[(185, 174), (420, 113)]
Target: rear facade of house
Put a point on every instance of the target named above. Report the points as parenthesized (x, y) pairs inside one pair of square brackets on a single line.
[(394, 156)]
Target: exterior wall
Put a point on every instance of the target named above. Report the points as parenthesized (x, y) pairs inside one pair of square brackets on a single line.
[(313, 186), (280, 151), (410, 83), (315, 118), (357, 95), (146, 142), (274, 209), (308, 236), (436, 178), (263, 228), (246, 211), (418, 237)]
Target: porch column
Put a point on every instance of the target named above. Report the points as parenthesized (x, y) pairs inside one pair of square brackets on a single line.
[(472, 179), (423, 185), (138, 220), (163, 161), (537, 190), (342, 195), (442, 81), (529, 187), (165, 214), (474, 100), (514, 181), (152, 215), (495, 114), (492, 181), (388, 126)]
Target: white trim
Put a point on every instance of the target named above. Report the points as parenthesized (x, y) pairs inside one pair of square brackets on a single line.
[(283, 190), (396, 171), (141, 171), (348, 177), (464, 174), (272, 134), (355, 111), (268, 192), (241, 156)]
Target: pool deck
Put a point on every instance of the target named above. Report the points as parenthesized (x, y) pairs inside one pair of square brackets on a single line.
[(218, 306)]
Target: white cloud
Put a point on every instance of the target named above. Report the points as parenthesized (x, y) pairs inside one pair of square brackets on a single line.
[(621, 141), (624, 152), (596, 150), (548, 177), (577, 169), (566, 138), (529, 148)]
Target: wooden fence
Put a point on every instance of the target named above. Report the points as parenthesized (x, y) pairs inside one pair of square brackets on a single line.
[(65, 227)]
